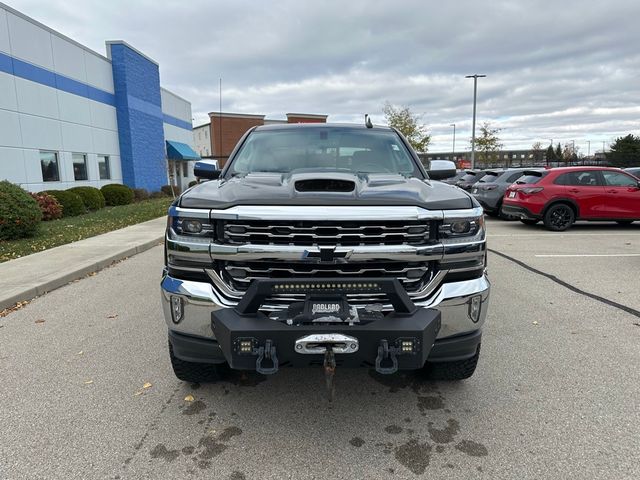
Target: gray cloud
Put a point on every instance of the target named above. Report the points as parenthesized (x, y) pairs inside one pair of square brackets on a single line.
[(554, 71)]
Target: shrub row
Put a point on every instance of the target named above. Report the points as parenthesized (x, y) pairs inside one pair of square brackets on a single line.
[(21, 211)]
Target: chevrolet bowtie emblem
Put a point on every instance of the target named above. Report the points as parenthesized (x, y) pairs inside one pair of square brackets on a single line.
[(327, 254)]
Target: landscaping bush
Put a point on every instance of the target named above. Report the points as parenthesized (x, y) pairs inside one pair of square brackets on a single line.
[(193, 183), (117, 194), (140, 194), (91, 196), (166, 189), (155, 195), (19, 212), (49, 206), (72, 203)]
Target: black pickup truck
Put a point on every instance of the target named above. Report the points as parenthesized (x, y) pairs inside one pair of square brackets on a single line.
[(324, 244)]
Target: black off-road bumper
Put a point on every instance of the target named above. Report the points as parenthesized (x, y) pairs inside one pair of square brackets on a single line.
[(250, 340)]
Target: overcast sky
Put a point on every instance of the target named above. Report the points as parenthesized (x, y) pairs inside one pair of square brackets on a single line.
[(555, 70)]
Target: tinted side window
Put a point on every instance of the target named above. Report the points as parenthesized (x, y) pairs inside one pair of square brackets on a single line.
[(513, 177), (615, 179), (531, 178), (584, 179)]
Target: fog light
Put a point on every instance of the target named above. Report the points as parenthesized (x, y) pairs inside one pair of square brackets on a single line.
[(474, 307), (245, 346), (177, 309), (406, 346)]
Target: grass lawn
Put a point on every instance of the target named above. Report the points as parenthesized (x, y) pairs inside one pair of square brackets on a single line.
[(70, 229)]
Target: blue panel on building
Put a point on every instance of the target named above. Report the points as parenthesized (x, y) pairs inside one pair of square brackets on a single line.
[(138, 105)]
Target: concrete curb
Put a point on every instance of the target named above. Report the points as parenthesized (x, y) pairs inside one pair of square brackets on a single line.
[(22, 284)]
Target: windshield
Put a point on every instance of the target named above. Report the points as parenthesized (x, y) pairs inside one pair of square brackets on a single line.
[(332, 149)]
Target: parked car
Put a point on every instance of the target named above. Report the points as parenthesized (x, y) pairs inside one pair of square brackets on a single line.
[(561, 196), (469, 178), (635, 171), (490, 190), (453, 180)]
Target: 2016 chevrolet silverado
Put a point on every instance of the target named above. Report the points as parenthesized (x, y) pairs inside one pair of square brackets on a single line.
[(324, 244)]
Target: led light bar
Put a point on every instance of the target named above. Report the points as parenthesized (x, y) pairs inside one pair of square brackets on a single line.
[(325, 287)]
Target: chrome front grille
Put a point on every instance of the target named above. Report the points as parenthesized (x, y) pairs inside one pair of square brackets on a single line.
[(310, 233), (412, 275)]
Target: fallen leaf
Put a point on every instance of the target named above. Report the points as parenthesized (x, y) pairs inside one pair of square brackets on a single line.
[(139, 392), (147, 385), (80, 353), (92, 274), (189, 398), (535, 322), (39, 321), (113, 315), (88, 382)]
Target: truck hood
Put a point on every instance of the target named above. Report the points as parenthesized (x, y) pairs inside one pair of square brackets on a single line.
[(325, 188)]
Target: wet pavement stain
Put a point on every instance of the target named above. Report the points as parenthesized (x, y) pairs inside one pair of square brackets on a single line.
[(399, 381), (160, 451), (439, 448), (446, 434), (393, 429), (237, 476), (356, 442), (414, 455), (471, 448), (212, 446), (228, 433), (188, 450), (430, 403), (194, 408)]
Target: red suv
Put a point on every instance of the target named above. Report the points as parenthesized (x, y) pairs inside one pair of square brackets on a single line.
[(560, 196)]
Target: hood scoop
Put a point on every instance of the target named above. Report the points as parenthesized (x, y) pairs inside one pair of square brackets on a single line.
[(325, 185)]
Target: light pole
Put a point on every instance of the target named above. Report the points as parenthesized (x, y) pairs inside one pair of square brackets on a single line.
[(473, 125), (454, 140)]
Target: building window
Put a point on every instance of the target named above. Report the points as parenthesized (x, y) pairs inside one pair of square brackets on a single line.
[(103, 167), (49, 165), (79, 166)]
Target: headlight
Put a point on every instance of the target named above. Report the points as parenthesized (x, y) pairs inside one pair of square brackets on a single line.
[(462, 226), (191, 223), (192, 226)]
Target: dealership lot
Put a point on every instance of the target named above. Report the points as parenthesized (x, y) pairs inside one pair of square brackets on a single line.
[(555, 394)]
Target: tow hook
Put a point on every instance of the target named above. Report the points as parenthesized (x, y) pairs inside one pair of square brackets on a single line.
[(386, 354), (268, 353)]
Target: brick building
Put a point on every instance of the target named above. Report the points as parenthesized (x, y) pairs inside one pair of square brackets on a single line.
[(217, 138)]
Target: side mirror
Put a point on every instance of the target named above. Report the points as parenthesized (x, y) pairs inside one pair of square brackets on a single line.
[(206, 170), (441, 169)]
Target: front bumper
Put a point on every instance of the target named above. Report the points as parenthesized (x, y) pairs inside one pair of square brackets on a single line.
[(193, 337)]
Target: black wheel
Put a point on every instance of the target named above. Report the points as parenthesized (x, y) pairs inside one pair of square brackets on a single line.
[(624, 222), (452, 370), (528, 221), (196, 372), (559, 217)]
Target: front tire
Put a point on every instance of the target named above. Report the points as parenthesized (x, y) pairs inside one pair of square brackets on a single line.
[(559, 217), (192, 372), (452, 371)]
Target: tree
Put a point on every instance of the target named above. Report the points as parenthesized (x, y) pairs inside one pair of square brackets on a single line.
[(570, 152), (558, 152), (536, 152), (625, 151), (408, 123), (487, 143), (551, 155)]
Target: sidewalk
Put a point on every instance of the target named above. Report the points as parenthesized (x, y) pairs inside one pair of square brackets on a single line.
[(28, 277)]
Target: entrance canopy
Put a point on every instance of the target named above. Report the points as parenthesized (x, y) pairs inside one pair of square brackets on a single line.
[(180, 151)]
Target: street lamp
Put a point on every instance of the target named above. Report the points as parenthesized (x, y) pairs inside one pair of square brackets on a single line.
[(473, 127), (454, 140)]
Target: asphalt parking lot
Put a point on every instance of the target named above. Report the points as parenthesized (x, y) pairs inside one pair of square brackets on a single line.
[(556, 393)]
